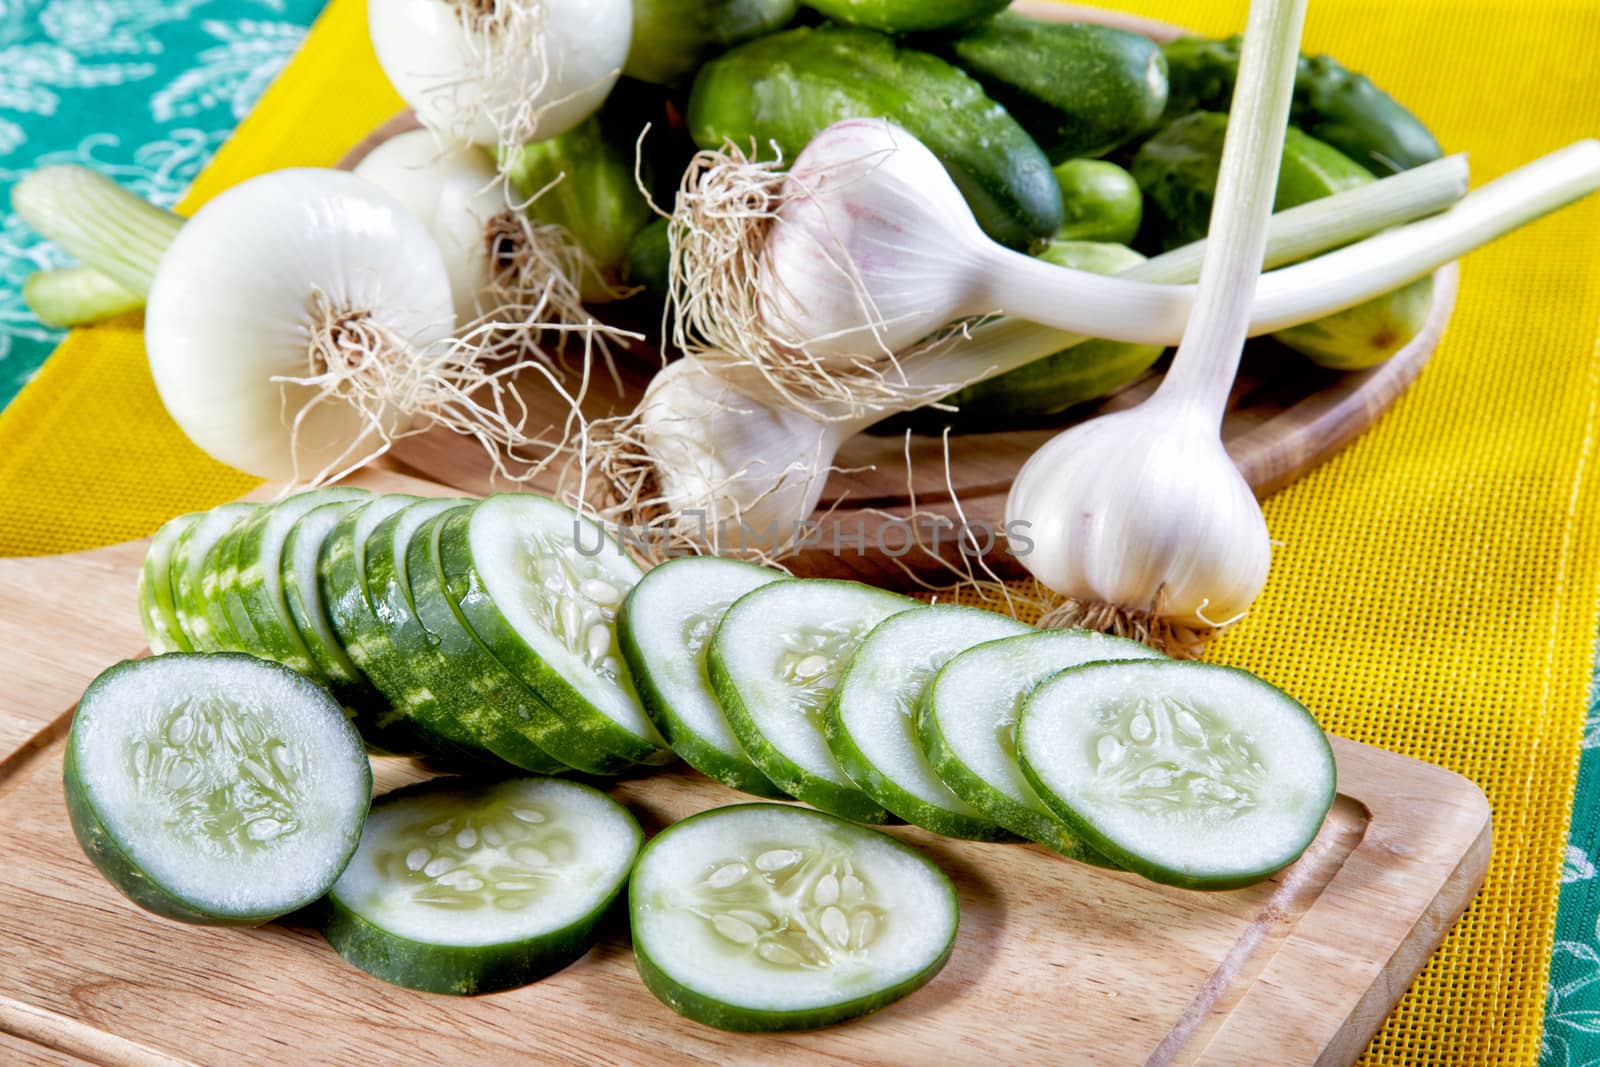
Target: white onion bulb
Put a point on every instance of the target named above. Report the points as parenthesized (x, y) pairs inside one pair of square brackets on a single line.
[(235, 310), (501, 72)]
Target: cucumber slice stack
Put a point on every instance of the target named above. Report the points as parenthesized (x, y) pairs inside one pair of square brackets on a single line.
[(775, 658), (665, 628), (158, 610), (215, 788), (766, 917), (967, 724), (475, 888), (1189, 773)]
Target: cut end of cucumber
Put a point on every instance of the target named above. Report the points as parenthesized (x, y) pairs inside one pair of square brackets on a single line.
[(467, 889), (763, 917), (228, 787), (1189, 773)]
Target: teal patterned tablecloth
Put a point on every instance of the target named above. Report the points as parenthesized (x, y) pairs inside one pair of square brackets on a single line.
[(144, 90)]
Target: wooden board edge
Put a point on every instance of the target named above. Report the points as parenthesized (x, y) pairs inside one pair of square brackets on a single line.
[(73, 1037), (1447, 816)]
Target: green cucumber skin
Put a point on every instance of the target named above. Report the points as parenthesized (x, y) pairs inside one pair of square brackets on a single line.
[(709, 761), (411, 693), (157, 612), (217, 572), (468, 681), (188, 600), (1079, 89), (672, 37), (1017, 818), (907, 16), (844, 801), (349, 685), (1141, 865), (1332, 104), (114, 864), (465, 589), (1177, 169), (785, 88), (703, 1009), (459, 970)]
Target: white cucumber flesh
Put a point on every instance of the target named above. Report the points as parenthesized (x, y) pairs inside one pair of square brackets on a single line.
[(469, 888), (770, 917), (775, 658), (967, 723), (540, 586), (870, 722), (1189, 773), (157, 610), (215, 788), (664, 628)]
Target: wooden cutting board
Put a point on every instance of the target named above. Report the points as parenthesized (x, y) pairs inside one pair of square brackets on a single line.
[(1055, 961)]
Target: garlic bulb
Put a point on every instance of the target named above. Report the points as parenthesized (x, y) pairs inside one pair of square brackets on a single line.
[(1140, 519), (454, 191), (500, 73), (287, 317)]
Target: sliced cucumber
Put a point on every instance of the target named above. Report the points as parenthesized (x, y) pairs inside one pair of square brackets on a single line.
[(219, 576), (302, 593), (156, 609), (967, 723), (1188, 773), (765, 917), (664, 628), (257, 588), (774, 660), (869, 722), (411, 689), (215, 788), (540, 586), (470, 686), (188, 576), (470, 889)]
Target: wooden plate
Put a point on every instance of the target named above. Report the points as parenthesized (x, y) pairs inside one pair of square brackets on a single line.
[(1286, 417)]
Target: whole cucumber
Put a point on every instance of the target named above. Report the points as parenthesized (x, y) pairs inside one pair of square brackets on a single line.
[(649, 260), (783, 89), (1177, 169), (1334, 105), (1050, 385), (1099, 202), (1080, 89), (906, 16), (671, 38)]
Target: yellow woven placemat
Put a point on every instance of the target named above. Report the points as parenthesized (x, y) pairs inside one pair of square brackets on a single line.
[(1436, 588)]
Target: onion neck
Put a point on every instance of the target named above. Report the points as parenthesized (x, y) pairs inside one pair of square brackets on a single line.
[(105, 226), (1207, 360)]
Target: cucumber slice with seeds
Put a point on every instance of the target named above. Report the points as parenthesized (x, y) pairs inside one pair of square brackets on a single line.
[(188, 575), (774, 660), (215, 788), (1188, 773), (257, 590), (768, 917), (460, 889), (470, 686), (664, 628), (546, 605), (302, 593), (156, 608), (869, 722), (967, 723)]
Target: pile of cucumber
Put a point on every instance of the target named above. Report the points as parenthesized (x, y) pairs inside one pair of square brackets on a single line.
[(224, 780), (1089, 144)]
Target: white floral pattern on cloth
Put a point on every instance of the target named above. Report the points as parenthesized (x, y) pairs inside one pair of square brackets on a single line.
[(144, 90), (1572, 1005)]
